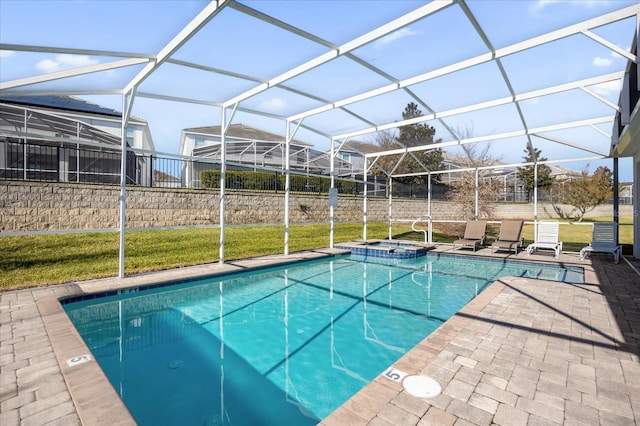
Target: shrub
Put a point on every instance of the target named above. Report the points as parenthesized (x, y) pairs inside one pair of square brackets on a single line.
[(273, 181)]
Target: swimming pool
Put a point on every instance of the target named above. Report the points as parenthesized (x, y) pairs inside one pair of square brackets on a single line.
[(280, 345)]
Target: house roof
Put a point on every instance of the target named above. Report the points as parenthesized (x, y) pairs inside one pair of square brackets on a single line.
[(65, 103), (242, 131)]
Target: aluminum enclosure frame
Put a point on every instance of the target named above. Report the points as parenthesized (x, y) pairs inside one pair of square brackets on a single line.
[(293, 123)]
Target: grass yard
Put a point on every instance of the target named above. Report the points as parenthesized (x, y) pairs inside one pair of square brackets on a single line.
[(28, 261), (34, 260)]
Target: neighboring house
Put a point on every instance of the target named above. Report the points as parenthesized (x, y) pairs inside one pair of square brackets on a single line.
[(562, 174), (248, 147), (626, 192), (66, 139), (166, 180), (354, 152)]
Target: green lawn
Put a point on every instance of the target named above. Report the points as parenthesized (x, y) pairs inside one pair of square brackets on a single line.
[(28, 261)]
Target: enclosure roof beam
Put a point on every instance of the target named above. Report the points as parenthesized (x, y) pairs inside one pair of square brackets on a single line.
[(492, 103), (569, 31), (572, 145), (47, 92), (505, 135), (622, 52), (73, 51), (486, 57), (377, 33), (58, 75), (500, 166), (205, 15)]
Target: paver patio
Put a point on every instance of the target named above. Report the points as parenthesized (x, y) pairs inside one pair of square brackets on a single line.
[(524, 352)]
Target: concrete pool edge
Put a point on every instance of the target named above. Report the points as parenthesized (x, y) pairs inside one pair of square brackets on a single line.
[(97, 401), (90, 390)]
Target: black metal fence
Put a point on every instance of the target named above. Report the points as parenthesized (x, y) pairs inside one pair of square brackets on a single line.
[(81, 164), (440, 191), (63, 164)]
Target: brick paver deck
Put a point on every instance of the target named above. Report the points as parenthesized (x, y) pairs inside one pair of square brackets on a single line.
[(524, 352)]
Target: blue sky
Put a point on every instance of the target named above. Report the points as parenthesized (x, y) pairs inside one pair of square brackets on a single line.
[(236, 42)]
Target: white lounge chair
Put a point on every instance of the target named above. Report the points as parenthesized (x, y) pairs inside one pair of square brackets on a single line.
[(604, 240), (546, 238)]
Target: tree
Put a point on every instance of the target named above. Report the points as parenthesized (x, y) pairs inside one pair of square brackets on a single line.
[(527, 173), (463, 191), (418, 134), (586, 192), (386, 141)]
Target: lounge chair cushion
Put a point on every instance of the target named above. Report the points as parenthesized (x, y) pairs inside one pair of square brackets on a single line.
[(510, 237), (473, 234)]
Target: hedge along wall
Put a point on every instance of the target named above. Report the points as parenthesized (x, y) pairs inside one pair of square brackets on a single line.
[(265, 181), (36, 206)]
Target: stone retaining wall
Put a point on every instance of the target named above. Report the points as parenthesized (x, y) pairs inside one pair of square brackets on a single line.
[(35, 206)]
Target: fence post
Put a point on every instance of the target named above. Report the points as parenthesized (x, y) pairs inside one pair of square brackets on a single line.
[(275, 181), (151, 171), (57, 163)]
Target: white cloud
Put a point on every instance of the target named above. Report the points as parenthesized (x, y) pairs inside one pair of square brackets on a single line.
[(541, 4), (64, 62), (396, 35), (602, 62), (608, 88), (273, 105), (6, 53)]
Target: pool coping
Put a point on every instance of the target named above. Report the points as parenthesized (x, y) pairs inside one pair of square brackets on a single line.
[(95, 398)]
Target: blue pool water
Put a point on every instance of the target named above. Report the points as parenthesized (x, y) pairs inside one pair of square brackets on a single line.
[(284, 345)]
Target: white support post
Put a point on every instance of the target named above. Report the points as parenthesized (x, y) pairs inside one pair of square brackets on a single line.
[(223, 171), (477, 195), (331, 208), (535, 198), (390, 189), (25, 151), (78, 154), (123, 187), (430, 229), (364, 202), (287, 183)]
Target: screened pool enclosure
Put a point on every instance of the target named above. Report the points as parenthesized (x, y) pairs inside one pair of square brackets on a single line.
[(500, 76)]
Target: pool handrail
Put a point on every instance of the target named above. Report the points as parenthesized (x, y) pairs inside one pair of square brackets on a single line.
[(428, 232)]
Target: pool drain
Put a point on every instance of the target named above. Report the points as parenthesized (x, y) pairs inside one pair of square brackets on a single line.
[(421, 386)]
